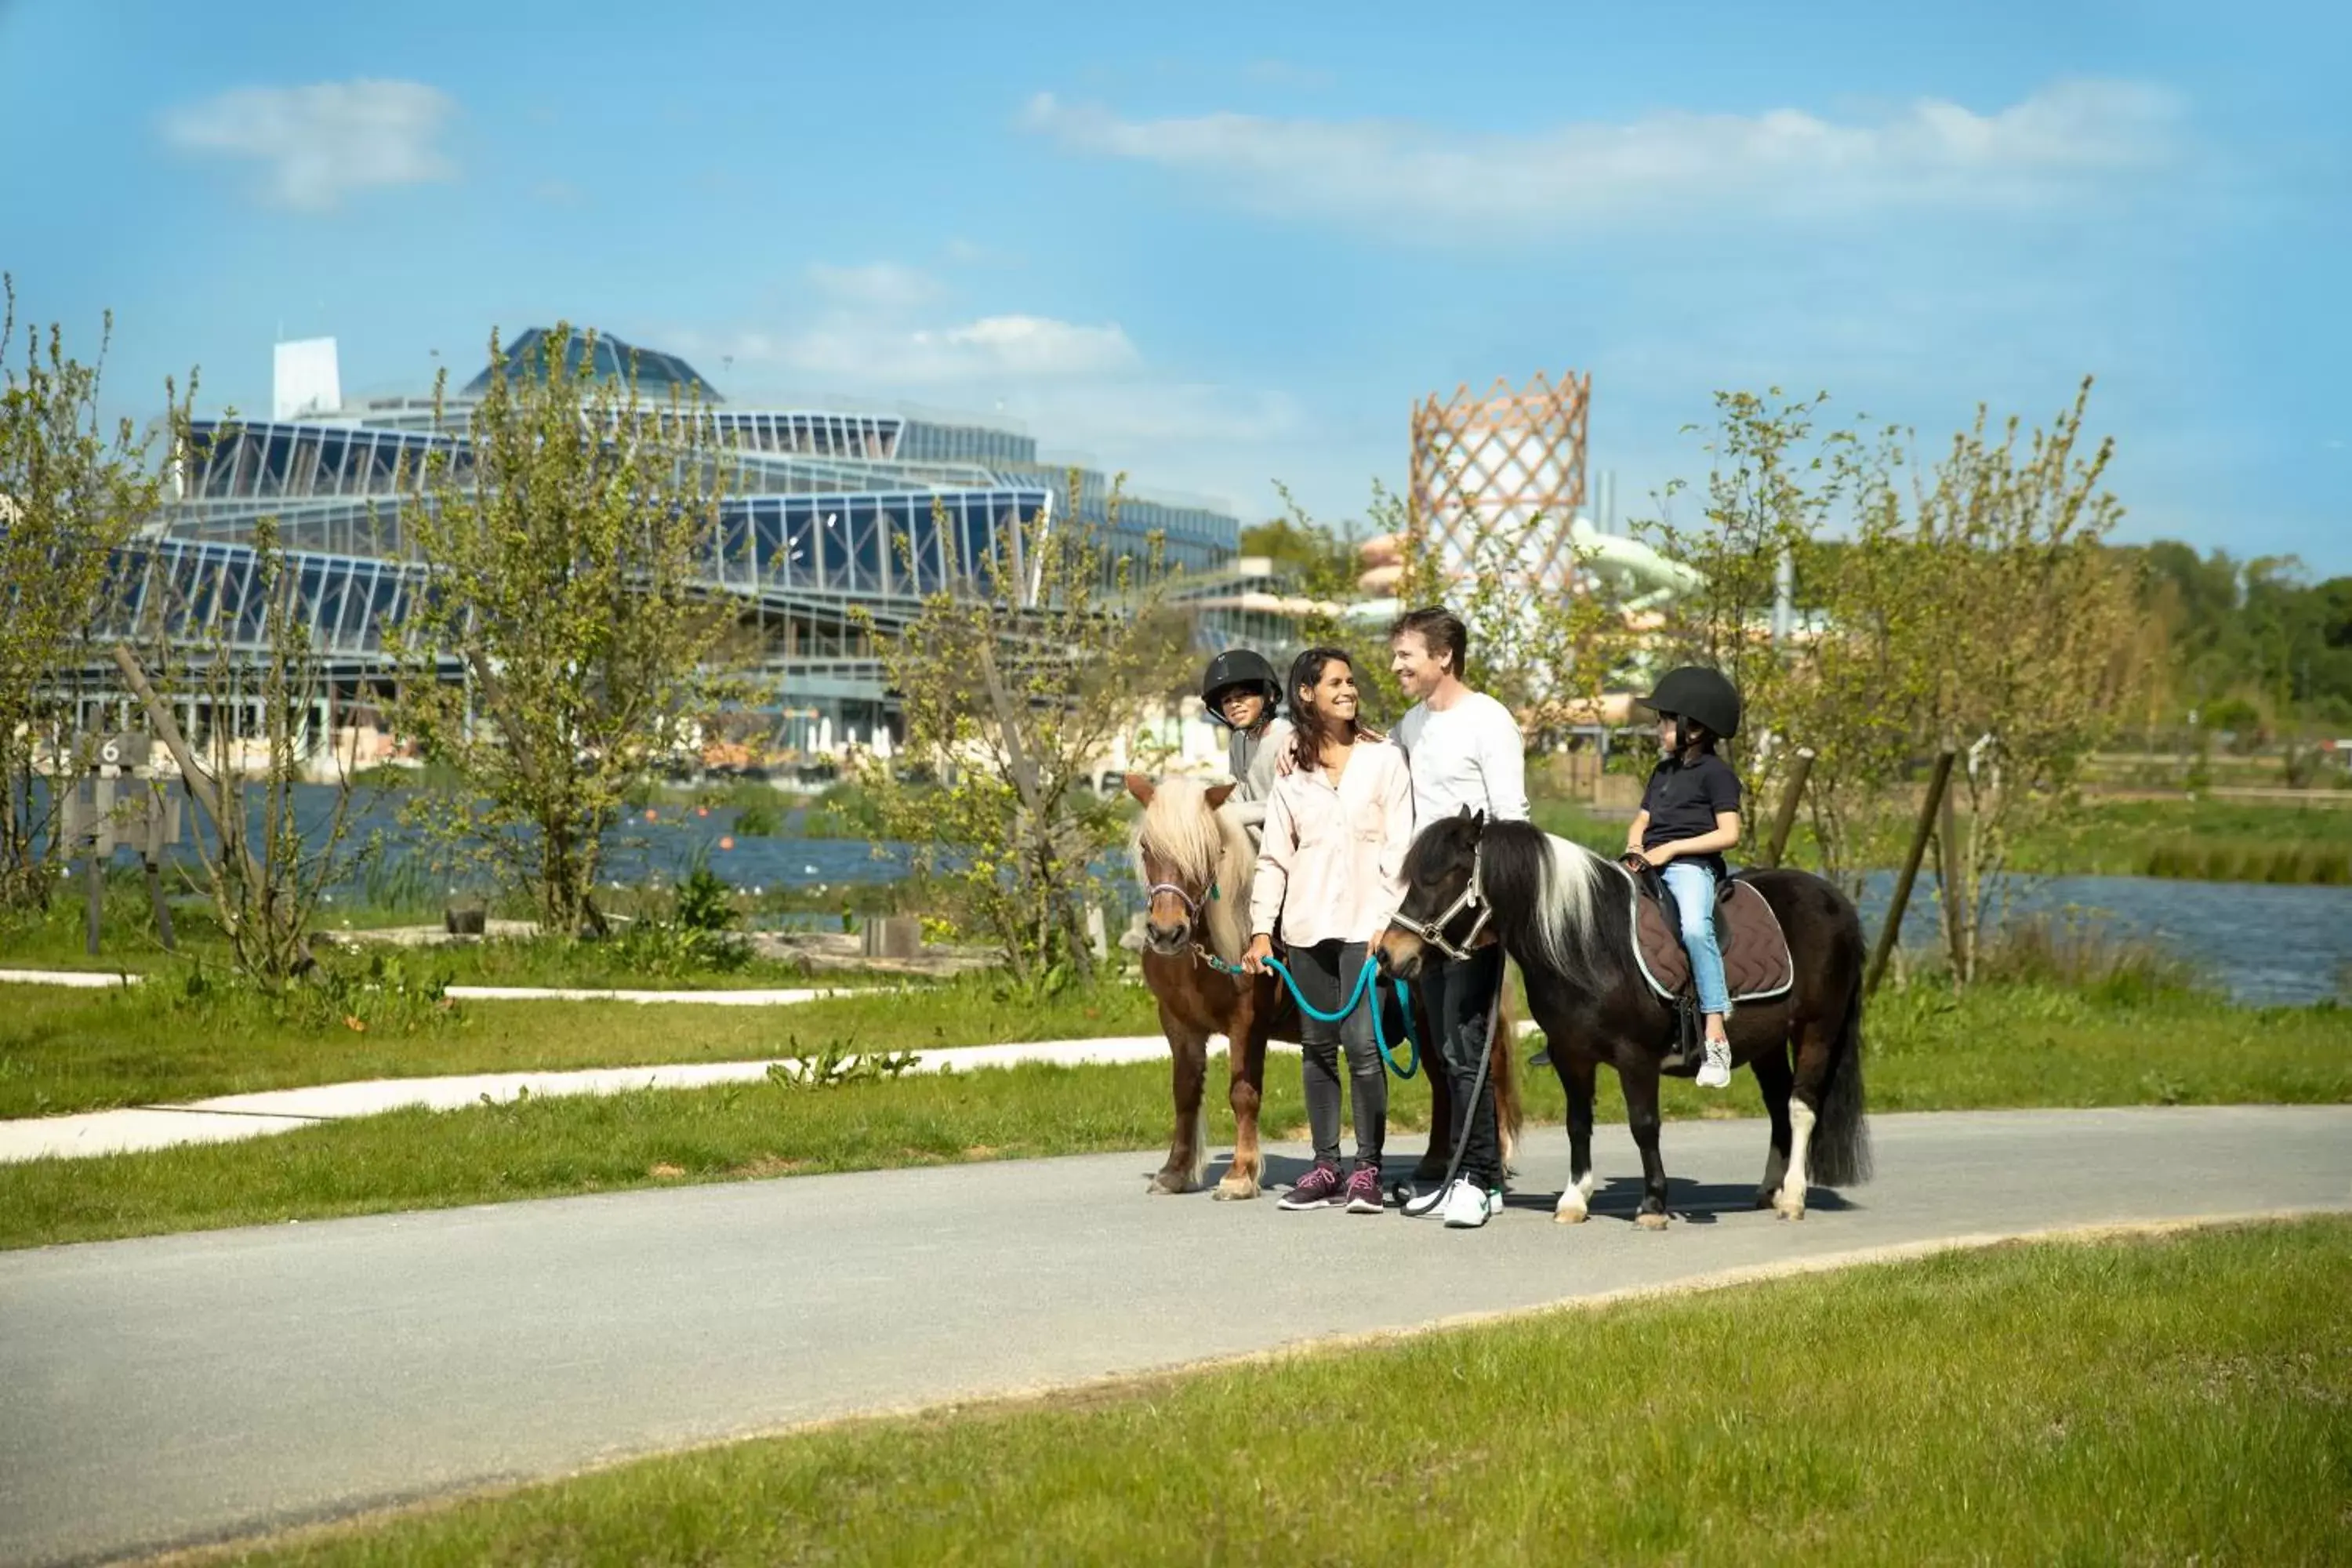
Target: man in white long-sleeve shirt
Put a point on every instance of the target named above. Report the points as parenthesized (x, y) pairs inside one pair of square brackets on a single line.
[(1465, 750)]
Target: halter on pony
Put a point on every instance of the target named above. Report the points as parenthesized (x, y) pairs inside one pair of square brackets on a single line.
[(1472, 897)]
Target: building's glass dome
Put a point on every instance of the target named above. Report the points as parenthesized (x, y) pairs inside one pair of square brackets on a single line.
[(657, 373)]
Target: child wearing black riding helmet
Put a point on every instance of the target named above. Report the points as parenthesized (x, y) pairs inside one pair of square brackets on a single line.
[(1240, 690), (1690, 817)]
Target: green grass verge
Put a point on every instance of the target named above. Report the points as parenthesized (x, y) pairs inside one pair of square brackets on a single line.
[(2180, 1399), (1997, 1047), (76, 1050)]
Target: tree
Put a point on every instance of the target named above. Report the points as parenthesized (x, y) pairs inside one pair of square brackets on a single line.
[(265, 867), (1014, 690), (2035, 626), (571, 541), (1973, 606), (73, 488)]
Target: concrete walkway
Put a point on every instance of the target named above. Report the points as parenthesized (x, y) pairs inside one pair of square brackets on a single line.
[(183, 1388), (231, 1117)]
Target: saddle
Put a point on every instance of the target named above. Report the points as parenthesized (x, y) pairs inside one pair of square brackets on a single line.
[(1757, 965)]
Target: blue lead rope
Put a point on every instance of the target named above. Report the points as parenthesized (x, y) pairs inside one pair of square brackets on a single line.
[(1367, 991)]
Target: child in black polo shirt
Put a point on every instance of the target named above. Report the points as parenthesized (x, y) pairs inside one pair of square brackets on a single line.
[(1690, 817)]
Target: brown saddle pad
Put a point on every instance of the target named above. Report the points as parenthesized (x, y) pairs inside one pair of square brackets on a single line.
[(1756, 961)]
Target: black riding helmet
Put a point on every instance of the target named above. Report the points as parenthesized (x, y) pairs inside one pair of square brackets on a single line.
[(1238, 667), (1696, 692)]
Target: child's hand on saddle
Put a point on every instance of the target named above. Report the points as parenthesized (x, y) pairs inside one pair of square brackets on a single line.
[(1656, 856), (1254, 957)]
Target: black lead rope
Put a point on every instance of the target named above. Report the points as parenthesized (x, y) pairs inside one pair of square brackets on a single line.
[(1477, 1087)]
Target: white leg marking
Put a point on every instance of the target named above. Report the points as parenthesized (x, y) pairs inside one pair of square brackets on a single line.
[(1590, 1184), (1790, 1203), (1571, 1209), (1200, 1143)]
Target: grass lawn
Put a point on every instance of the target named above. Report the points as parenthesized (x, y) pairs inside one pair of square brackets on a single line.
[(2018, 1046), (2183, 1399), (76, 1050)]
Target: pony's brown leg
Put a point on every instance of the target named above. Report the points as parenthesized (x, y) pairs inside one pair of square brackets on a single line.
[(1188, 1151), (1247, 1059), (1641, 1084), (1576, 1075), (1774, 1076), (1440, 1152)]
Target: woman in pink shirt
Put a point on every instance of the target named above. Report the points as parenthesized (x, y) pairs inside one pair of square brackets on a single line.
[(1330, 872)]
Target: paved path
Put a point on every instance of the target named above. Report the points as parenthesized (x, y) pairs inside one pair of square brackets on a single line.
[(166, 1391)]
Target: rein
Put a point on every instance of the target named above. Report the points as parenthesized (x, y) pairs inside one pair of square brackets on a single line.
[(1367, 991)]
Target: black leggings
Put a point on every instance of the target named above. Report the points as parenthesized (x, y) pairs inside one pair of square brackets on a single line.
[(1326, 976), (1461, 996)]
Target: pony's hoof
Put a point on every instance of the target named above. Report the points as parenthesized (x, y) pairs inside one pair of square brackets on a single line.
[(1168, 1187), (1651, 1221), (1790, 1211), (1571, 1215), (1768, 1198), (1235, 1192)]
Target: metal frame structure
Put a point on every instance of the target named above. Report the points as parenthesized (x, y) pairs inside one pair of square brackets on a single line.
[(1512, 458)]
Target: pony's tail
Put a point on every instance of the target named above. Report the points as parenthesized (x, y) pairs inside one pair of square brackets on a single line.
[(1510, 1116), (1839, 1154)]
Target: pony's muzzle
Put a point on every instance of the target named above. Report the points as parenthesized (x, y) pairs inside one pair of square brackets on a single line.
[(1397, 954), (1165, 938)]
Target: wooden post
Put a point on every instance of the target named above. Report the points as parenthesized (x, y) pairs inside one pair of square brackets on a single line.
[(1893, 929), (155, 897), (1948, 867), (94, 897), (1786, 818)]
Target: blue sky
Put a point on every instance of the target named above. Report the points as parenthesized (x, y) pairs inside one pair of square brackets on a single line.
[(1235, 245)]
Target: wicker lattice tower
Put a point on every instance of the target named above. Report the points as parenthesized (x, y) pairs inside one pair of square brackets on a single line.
[(1510, 465)]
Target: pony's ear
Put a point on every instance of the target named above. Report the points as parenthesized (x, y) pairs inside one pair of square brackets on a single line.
[(1463, 816), (1217, 795), (1478, 819), (1140, 788)]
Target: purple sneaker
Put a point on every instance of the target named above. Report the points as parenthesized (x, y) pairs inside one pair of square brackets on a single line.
[(1319, 1188), (1364, 1189)]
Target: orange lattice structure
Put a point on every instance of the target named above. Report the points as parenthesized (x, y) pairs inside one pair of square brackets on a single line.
[(1512, 461)]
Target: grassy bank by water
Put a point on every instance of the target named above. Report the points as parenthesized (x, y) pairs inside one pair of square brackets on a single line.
[(1997, 1046), (2171, 1400)]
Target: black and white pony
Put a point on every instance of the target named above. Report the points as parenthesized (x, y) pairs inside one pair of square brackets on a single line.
[(1566, 917)]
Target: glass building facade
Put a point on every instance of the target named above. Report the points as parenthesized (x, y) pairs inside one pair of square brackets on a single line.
[(828, 514)]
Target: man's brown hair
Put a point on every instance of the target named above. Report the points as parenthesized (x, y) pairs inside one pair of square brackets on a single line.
[(1443, 633)]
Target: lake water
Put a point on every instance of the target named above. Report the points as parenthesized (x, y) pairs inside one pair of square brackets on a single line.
[(2264, 944)]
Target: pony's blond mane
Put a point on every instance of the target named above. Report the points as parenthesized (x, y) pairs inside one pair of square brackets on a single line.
[(1204, 848)]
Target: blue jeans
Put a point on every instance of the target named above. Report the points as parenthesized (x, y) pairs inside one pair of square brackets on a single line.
[(1692, 886)]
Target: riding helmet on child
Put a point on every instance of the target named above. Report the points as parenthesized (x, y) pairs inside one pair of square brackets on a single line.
[(1238, 667), (1700, 694)]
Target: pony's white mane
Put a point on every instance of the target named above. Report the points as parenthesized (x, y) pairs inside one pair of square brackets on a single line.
[(1204, 849), (1571, 883)]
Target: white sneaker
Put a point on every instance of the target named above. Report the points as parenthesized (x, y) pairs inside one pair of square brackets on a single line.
[(1469, 1206), (1716, 1071), (1430, 1204)]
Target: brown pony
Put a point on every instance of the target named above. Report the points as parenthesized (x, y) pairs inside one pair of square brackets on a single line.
[(1196, 864)]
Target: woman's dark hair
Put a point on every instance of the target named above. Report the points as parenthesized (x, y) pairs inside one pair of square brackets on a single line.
[(1308, 727), (1442, 630)]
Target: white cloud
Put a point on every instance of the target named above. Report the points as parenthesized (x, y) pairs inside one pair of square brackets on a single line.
[(1082, 386), (1411, 176), (317, 144)]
